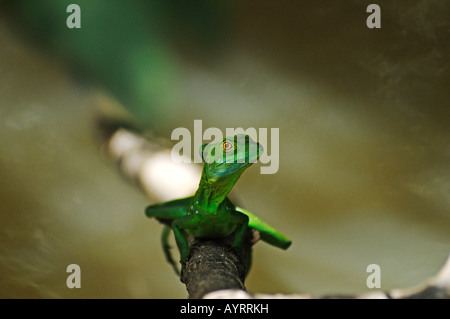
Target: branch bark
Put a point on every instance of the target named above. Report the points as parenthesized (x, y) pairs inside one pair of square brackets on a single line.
[(214, 265)]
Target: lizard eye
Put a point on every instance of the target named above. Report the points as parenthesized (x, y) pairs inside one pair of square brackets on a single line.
[(227, 146)]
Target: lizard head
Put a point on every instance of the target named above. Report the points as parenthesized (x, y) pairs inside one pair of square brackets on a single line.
[(230, 156)]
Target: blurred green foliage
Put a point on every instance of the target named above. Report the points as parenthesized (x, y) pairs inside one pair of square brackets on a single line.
[(126, 47)]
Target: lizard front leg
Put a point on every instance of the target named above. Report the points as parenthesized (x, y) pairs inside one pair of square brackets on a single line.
[(167, 212), (178, 226), (242, 226)]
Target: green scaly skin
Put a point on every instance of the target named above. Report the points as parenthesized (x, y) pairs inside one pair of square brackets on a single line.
[(209, 213)]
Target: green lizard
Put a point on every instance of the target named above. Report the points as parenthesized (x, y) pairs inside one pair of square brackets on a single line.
[(209, 213)]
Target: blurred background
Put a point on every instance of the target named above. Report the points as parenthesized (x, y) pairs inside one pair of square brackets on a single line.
[(364, 174)]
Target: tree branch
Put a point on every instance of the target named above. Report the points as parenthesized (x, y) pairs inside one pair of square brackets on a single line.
[(214, 265)]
